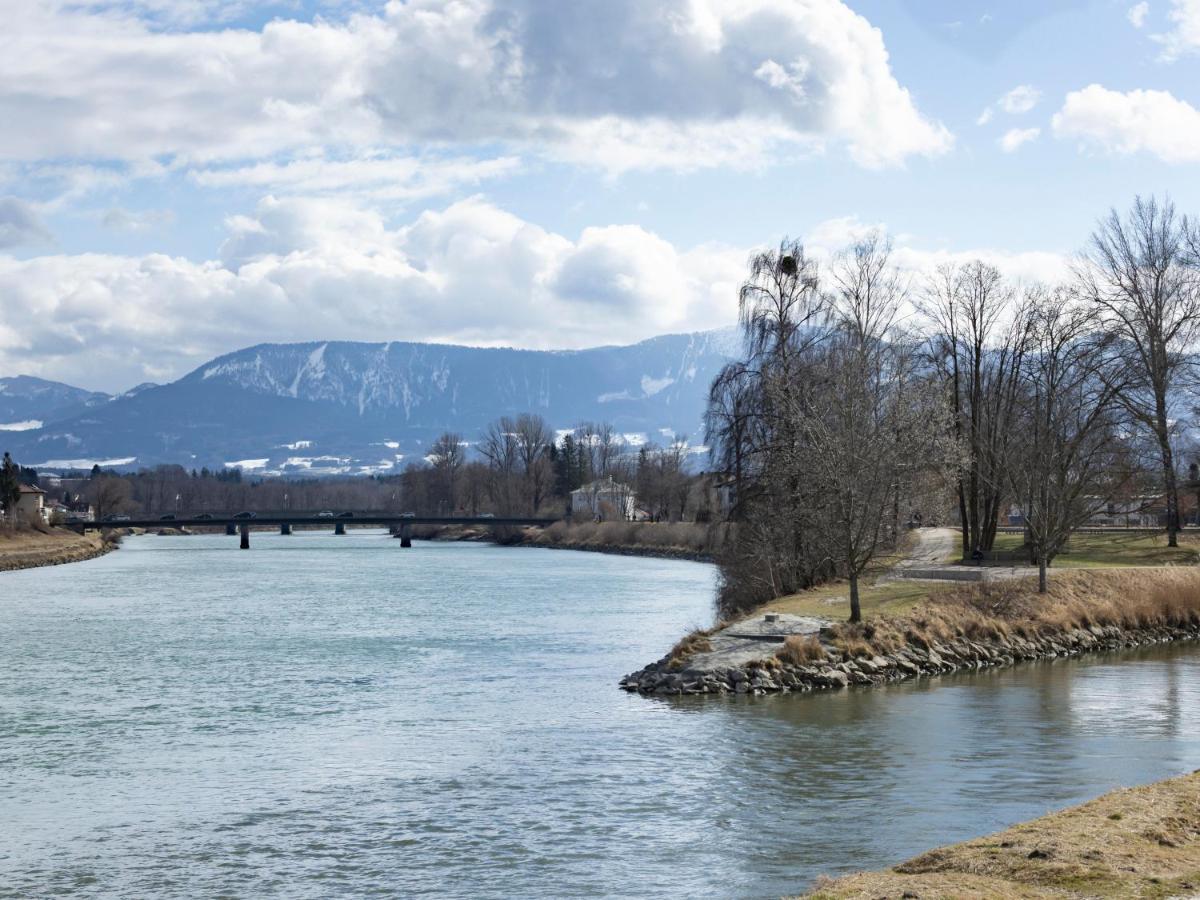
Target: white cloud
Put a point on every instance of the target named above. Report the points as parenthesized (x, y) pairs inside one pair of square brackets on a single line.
[(1014, 138), (919, 262), (1020, 99), (1137, 14), (705, 81), (380, 176), (1184, 37), (120, 219), (1136, 121), (985, 116), (305, 269), (20, 224)]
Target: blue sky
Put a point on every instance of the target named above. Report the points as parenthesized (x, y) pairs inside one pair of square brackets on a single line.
[(186, 176)]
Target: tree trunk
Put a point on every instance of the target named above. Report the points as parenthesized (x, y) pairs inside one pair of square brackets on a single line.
[(1172, 491), (1041, 573), (855, 608)]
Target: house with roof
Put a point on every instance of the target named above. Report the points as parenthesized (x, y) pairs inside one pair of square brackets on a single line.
[(603, 499), (31, 504)]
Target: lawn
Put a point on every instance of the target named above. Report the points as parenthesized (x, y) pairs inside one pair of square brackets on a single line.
[(832, 601), (1090, 551)]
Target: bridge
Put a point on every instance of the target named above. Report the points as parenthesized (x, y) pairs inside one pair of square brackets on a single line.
[(241, 523)]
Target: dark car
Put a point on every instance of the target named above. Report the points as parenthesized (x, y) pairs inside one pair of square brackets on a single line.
[(203, 516), (169, 517), (346, 515), (246, 515)]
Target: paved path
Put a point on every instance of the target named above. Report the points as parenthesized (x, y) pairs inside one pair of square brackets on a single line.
[(929, 561)]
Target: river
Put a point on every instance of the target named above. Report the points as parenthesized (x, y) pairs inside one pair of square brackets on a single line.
[(335, 716)]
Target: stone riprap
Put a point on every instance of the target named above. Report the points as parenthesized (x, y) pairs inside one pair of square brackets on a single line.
[(743, 658)]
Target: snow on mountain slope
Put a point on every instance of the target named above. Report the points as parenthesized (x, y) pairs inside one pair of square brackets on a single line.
[(370, 406)]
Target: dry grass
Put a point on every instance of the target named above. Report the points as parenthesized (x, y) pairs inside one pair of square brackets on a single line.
[(1139, 842), (685, 537), (993, 611), (802, 650), (691, 644), (24, 548)]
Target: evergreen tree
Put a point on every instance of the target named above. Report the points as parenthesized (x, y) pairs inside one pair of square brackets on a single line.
[(10, 484)]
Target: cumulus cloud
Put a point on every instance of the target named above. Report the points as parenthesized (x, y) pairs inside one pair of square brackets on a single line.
[(1015, 138), (703, 80), (1184, 36), (1137, 14), (20, 224), (1139, 121), (1020, 99), (307, 269)]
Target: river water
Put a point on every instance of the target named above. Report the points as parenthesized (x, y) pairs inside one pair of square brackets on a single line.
[(328, 716)]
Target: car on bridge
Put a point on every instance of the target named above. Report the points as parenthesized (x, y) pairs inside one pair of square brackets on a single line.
[(204, 516), (120, 518), (346, 515), (169, 517), (408, 515), (325, 514), (487, 515), (246, 515)]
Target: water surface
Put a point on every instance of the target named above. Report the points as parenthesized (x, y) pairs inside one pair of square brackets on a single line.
[(328, 716)]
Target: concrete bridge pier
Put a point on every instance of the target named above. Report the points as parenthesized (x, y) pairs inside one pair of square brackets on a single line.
[(339, 528), (245, 537), (285, 528), (405, 536), (230, 529)]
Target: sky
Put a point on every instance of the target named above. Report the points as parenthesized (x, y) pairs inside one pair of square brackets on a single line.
[(182, 178)]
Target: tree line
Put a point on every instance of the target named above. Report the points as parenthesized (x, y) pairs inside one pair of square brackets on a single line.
[(518, 466), (865, 399)]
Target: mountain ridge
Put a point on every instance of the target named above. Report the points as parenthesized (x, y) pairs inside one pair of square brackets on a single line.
[(369, 407)]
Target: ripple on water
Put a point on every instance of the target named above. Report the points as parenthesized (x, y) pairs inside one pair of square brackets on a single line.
[(317, 718)]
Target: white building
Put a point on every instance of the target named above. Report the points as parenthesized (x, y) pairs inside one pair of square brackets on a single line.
[(31, 504), (605, 499)]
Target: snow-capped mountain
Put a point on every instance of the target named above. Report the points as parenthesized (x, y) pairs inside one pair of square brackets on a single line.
[(359, 407), (27, 402)]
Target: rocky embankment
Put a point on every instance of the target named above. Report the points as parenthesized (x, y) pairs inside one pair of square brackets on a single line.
[(744, 658)]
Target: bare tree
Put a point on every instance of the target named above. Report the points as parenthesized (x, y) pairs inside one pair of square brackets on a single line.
[(978, 346), (869, 425), (534, 439), (109, 495), (1064, 467), (447, 456), (499, 446), (1140, 270)]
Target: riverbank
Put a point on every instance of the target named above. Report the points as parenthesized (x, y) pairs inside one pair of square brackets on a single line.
[(27, 548), (698, 542), (1136, 842), (966, 627)]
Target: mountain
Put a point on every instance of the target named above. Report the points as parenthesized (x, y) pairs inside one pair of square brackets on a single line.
[(321, 408), (27, 402)]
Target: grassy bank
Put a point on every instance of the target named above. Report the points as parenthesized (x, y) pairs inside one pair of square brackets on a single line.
[(680, 540), (28, 548), (1138, 842), (965, 626), (1114, 550)]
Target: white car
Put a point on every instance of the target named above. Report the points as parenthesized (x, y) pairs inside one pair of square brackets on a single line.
[(325, 514)]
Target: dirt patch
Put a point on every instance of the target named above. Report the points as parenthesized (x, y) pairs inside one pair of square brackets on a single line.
[(1138, 842)]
